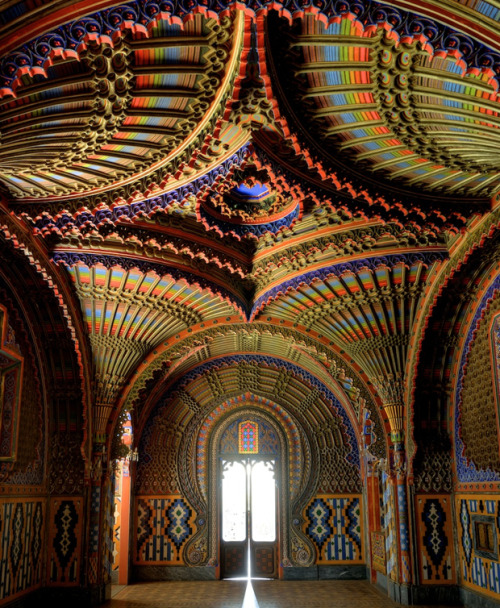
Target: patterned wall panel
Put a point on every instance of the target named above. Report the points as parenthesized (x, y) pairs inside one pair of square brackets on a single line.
[(335, 526), (94, 525), (435, 540), (378, 551), (388, 512), (65, 541), (109, 507), (478, 537), (163, 524), (22, 528)]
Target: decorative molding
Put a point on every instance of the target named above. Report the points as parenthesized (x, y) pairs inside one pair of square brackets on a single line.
[(371, 263), (69, 40), (72, 258), (88, 215)]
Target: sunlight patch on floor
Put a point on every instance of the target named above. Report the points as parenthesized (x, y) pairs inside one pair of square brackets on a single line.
[(250, 601)]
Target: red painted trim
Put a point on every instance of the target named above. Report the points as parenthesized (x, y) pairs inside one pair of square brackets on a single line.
[(478, 487), (125, 549)]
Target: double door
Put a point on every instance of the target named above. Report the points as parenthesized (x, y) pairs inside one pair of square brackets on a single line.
[(249, 531)]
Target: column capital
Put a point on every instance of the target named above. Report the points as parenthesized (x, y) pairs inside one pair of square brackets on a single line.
[(391, 388)]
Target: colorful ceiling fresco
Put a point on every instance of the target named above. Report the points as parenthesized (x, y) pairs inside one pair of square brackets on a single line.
[(416, 102), (280, 189), (84, 107)]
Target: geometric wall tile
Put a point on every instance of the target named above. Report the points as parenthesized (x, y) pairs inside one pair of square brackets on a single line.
[(335, 526), (22, 539), (65, 541), (163, 524), (435, 540), (479, 565)]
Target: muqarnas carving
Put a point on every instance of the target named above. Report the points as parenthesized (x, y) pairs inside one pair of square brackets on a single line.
[(478, 424)]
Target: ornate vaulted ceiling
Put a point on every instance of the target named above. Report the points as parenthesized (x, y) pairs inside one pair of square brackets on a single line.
[(277, 187), (104, 99), (416, 103)]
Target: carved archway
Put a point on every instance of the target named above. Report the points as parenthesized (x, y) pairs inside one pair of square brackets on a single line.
[(293, 478)]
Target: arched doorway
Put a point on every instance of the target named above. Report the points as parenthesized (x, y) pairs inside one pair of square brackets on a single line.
[(210, 438), (319, 501), (249, 494), (248, 499)]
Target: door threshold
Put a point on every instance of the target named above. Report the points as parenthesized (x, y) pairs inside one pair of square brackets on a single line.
[(245, 578)]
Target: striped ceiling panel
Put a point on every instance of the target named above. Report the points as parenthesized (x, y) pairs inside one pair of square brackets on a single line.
[(112, 112), (127, 313), (414, 117), (147, 288), (372, 307), (261, 341), (269, 381)]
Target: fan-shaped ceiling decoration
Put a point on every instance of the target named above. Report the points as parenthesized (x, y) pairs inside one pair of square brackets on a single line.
[(400, 95), (105, 98)]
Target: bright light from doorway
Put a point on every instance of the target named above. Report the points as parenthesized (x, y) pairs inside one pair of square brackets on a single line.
[(248, 503), (263, 494)]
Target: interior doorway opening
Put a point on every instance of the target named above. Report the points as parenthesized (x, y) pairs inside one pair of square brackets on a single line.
[(249, 527)]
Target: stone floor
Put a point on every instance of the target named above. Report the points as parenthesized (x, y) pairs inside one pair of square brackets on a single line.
[(257, 594)]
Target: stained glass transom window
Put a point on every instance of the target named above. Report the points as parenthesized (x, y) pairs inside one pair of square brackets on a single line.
[(248, 437)]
